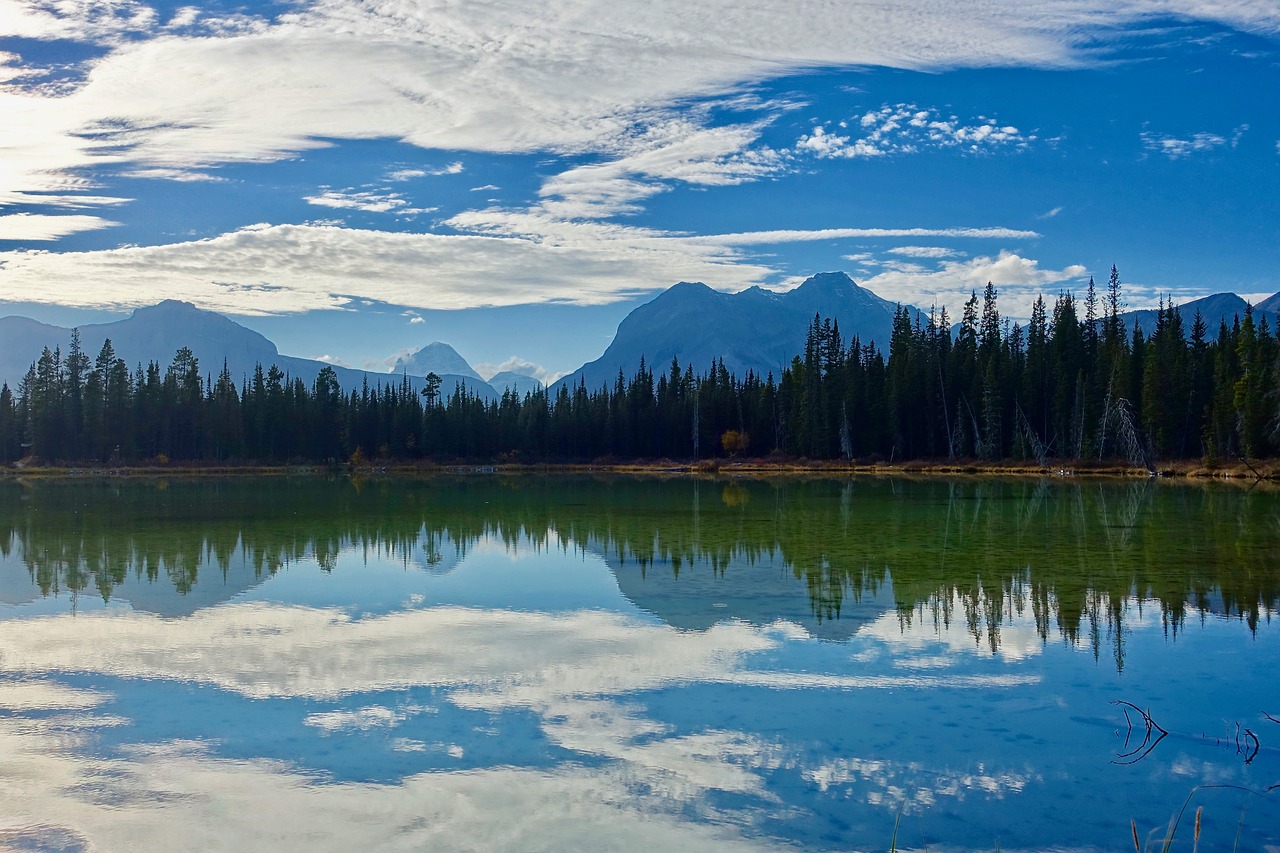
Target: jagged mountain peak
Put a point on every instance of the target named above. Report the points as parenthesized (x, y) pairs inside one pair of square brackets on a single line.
[(689, 286), (180, 311), (436, 357), (687, 292), (170, 305), (827, 290), (827, 281), (755, 330)]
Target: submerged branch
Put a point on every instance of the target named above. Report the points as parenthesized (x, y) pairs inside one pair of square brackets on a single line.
[(1149, 740)]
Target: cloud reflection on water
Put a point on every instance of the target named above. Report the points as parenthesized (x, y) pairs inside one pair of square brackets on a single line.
[(179, 796), (642, 732), (575, 671)]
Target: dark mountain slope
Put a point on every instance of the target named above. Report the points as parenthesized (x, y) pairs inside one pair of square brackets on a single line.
[(756, 329), (1214, 309)]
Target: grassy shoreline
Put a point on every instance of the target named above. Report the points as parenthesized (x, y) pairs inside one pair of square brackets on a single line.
[(1239, 472)]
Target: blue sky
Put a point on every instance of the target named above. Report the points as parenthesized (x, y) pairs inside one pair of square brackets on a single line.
[(357, 179)]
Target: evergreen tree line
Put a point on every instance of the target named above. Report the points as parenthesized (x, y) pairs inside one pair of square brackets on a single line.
[(1065, 387)]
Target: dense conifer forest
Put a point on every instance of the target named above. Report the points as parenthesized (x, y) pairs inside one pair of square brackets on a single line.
[(1073, 384)]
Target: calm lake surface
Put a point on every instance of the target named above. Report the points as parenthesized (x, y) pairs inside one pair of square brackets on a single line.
[(557, 663)]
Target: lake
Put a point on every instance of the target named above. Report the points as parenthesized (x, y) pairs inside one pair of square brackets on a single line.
[(560, 663)]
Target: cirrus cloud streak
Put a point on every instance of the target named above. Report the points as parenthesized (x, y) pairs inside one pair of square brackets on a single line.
[(33, 227), (284, 269), (494, 77)]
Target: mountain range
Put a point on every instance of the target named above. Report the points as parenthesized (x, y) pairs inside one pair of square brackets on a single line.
[(756, 329), (157, 332), (763, 330), (1215, 309)]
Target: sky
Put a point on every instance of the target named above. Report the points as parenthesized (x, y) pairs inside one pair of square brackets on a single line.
[(357, 179)]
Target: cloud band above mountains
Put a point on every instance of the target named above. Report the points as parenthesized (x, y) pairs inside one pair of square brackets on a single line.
[(198, 90), (619, 99), (285, 269)]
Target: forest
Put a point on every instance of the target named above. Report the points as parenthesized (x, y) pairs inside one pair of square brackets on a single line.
[(1073, 384)]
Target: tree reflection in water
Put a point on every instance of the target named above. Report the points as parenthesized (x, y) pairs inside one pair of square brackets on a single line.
[(1074, 555)]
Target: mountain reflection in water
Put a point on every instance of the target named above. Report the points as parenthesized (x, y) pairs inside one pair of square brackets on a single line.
[(1073, 558), (611, 663)]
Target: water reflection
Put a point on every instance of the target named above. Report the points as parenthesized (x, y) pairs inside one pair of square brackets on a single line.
[(183, 796), (827, 555), (580, 674), (571, 663)]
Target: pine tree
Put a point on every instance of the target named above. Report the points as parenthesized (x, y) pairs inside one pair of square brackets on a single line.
[(1165, 380), (225, 424), (76, 369), (8, 425), (46, 406), (1220, 434), (1250, 388)]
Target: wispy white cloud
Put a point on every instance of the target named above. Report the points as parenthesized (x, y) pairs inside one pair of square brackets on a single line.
[(926, 252), (499, 77), (492, 77), (388, 364), (504, 259), (826, 145), (171, 174), (398, 175), (677, 150), (10, 69), (904, 267), (906, 129), (1051, 212), (369, 201), (334, 360), (1019, 280), (1176, 148), (756, 238), (516, 364), (43, 154), (111, 22), (34, 227), (77, 20), (500, 257)]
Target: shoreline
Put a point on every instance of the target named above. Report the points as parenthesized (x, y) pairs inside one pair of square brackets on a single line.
[(1187, 470)]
